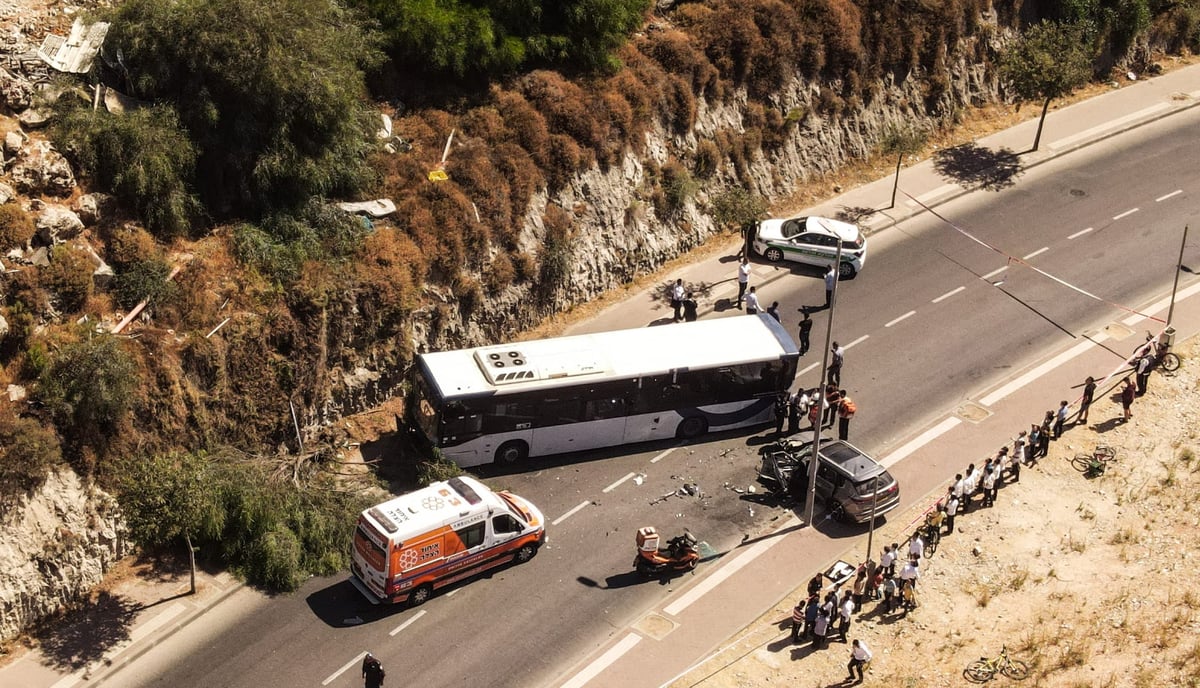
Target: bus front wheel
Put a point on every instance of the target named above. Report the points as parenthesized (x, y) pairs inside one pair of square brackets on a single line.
[(511, 452), (691, 428)]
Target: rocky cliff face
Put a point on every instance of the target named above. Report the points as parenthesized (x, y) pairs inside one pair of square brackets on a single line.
[(57, 545)]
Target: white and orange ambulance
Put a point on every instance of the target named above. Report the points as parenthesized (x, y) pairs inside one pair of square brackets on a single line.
[(407, 547)]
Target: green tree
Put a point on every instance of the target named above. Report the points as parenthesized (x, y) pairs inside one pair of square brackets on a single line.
[(170, 498), (736, 207), (88, 386), (1049, 60), (270, 93), (901, 141), (28, 451), (143, 157)]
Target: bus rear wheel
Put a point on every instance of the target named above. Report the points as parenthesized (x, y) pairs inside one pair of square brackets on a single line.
[(511, 452), (691, 428)]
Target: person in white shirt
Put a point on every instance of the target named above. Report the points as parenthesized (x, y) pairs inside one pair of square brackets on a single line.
[(845, 611), (677, 294), (1001, 465), (908, 584), (743, 279), (968, 489), (989, 486), (888, 561), (860, 656), (752, 302), (951, 512), (916, 546)]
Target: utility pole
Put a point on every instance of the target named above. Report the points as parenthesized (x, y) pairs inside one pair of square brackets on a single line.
[(874, 503), (811, 497), (1178, 268)]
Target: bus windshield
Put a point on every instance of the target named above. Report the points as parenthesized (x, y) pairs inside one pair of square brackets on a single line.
[(423, 413)]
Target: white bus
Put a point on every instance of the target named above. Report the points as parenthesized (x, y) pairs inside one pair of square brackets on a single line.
[(504, 403)]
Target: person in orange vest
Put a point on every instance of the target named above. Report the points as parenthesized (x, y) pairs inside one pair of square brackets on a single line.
[(846, 411)]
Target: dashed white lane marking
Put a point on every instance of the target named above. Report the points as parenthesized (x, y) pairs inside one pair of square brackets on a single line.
[(1127, 213), (1038, 252), (860, 340), (1080, 233), (1176, 192), (602, 662), (719, 576), (408, 623), (995, 272), (134, 636), (617, 484), (570, 513), (663, 455), (344, 668), (812, 366), (919, 441), (948, 294), (906, 315)]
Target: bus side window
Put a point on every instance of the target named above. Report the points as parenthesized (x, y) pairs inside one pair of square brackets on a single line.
[(459, 420), (601, 409), (471, 536), (558, 411), (507, 416)]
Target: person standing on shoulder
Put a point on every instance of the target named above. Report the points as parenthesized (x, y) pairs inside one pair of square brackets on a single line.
[(1085, 402), (835, 365), (1127, 394), (1060, 418), (1144, 364), (677, 299), (743, 279), (830, 281), (689, 307), (860, 658), (806, 326), (372, 672), (752, 302)]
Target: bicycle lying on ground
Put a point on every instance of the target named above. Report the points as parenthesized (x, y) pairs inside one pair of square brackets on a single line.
[(1093, 465), (983, 669)]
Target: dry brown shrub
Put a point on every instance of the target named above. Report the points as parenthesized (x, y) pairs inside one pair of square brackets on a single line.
[(634, 85), (485, 123), (69, 276), (524, 178), (677, 53), (16, 226), (129, 244), (499, 274), (483, 184), (196, 302), (707, 159), (527, 124), (389, 271), (567, 107), (566, 158), (678, 107)]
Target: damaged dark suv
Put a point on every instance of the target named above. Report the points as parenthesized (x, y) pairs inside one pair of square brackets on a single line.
[(848, 480)]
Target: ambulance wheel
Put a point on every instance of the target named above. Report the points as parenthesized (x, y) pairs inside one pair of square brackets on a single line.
[(691, 428), (420, 596), (511, 452), (525, 554)]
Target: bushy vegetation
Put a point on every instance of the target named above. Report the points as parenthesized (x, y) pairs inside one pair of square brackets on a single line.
[(143, 279), (497, 37), (28, 451), (68, 277), (279, 246), (16, 227), (144, 158), (273, 532), (270, 94)]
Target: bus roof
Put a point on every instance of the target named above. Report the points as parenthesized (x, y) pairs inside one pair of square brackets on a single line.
[(439, 504), (615, 355)]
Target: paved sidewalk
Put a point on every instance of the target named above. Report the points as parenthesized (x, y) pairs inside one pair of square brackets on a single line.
[(734, 594)]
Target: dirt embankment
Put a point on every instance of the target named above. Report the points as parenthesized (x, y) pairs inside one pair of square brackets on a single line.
[(1090, 581)]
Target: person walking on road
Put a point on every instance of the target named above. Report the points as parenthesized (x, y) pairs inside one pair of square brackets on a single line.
[(830, 281), (835, 365), (797, 407), (372, 672), (781, 411), (1127, 394), (806, 326), (677, 294), (860, 658), (752, 306), (832, 398), (743, 279), (773, 311), (846, 411), (689, 307), (1085, 402)]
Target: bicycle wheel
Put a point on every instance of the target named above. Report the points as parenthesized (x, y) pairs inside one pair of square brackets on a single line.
[(1104, 453), (979, 671), (1170, 362), (1082, 463), (1015, 669), (931, 546)]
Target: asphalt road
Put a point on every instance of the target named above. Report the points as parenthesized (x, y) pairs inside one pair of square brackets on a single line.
[(936, 334)]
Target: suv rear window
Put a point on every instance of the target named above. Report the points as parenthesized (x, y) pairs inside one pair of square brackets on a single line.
[(850, 460)]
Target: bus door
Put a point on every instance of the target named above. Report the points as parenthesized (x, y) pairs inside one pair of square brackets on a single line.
[(651, 414)]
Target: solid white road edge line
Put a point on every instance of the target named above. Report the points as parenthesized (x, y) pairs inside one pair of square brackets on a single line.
[(408, 623), (1161, 304), (1176, 192), (1127, 213), (948, 294), (906, 315), (134, 636), (602, 662), (919, 441), (570, 513), (719, 576), (1080, 233), (345, 666), (617, 484)]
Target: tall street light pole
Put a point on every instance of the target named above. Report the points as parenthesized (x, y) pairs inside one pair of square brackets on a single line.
[(811, 498)]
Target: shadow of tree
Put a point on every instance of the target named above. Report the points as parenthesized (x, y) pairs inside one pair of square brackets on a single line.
[(853, 214), (976, 167), (91, 631)]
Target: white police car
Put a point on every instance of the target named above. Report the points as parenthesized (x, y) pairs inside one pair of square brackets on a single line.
[(813, 241)]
